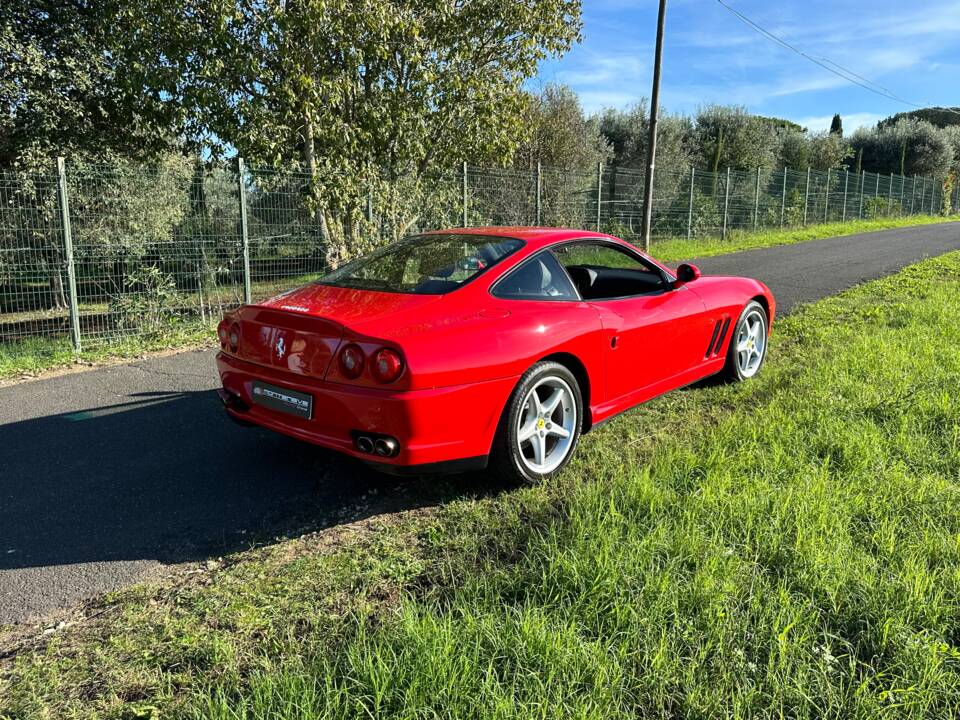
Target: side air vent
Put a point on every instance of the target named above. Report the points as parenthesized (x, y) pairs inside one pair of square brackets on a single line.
[(722, 337), (713, 339)]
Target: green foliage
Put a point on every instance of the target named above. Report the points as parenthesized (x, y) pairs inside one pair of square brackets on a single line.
[(628, 132), (781, 124), (907, 147), (880, 207), (952, 135), (731, 137), (146, 301), (62, 87), (559, 135), (707, 216), (410, 88), (820, 151), (940, 117), (836, 125), (949, 186)]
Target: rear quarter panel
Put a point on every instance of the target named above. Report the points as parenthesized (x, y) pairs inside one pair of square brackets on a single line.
[(501, 338)]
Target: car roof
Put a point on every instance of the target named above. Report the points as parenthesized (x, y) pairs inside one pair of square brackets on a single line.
[(534, 236)]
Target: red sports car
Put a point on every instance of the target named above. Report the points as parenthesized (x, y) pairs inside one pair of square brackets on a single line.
[(484, 347)]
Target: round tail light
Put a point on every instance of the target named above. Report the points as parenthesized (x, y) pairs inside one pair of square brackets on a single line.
[(351, 361), (234, 337), (387, 365)]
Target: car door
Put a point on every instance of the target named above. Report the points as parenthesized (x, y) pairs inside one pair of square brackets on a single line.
[(650, 337)]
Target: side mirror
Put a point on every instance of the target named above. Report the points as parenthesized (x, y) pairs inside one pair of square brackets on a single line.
[(686, 273)]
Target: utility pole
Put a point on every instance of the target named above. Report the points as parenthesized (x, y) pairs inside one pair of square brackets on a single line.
[(652, 140)]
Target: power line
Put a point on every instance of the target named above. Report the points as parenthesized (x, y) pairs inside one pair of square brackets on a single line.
[(826, 63)]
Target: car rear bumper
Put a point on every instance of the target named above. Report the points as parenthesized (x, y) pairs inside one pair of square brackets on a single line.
[(440, 429)]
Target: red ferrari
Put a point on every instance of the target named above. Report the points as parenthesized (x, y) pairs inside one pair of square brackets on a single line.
[(484, 347)]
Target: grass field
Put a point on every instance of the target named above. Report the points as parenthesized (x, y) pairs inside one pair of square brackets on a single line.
[(787, 547)]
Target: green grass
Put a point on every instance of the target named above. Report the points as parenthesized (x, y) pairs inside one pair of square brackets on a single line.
[(787, 547), (676, 249), (33, 356)]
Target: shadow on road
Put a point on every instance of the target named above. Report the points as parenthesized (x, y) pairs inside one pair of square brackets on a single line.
[(166, 476)]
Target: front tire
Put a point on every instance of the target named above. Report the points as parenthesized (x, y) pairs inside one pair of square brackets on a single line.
[(748, 344), (540, 426)]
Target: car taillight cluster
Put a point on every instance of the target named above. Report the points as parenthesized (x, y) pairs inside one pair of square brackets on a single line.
[(233, 337), (386, 365)]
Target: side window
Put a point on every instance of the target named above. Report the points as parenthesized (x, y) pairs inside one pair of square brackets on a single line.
[(603, 272), (539, 278)]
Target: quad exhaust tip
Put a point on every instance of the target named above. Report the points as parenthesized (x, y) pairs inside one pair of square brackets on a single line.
[(387, 447), (372, 444)]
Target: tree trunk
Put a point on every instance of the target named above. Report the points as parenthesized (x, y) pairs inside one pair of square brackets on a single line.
[(57, 293)]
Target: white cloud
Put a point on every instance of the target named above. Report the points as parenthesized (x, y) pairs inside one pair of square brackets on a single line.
[(596, 100), (851, 121)]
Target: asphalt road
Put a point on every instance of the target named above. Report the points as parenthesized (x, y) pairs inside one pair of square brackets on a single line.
[(106, 476)]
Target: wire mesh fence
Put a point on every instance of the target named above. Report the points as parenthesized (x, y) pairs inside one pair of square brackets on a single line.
[(91, 253)]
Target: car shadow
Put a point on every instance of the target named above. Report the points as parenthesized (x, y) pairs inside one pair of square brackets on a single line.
[(167, 476)]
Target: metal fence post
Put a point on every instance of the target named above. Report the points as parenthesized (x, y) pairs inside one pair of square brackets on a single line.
[(846, 184), (876, 191), (244, 231), (806, 197), (863, 181), (923, 193), (539, 201), (890, 196), (783, 197), (64, 202), (464, 219), (933, 196), (756, 202), (826, 198), (599, 191), (913, 194), (693, 174), (902, 183), (726, 204)]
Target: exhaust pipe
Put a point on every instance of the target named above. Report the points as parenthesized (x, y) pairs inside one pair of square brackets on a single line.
[(365, 444), (232, 400), (387, 447)]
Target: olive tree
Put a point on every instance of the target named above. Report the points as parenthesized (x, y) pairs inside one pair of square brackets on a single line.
[(352, 90), (906, 147)]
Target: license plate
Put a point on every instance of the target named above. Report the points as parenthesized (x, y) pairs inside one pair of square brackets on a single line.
[(284, 400)]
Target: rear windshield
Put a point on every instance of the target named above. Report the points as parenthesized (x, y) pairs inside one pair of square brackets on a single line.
[(424, 264)]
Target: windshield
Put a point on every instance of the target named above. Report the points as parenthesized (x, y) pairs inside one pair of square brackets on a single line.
[(424, 264)]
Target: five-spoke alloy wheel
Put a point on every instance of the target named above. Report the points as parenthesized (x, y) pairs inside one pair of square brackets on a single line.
[(541, 424), (748, 346)]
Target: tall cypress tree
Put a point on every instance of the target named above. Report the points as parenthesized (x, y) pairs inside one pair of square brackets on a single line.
[(836, 125)]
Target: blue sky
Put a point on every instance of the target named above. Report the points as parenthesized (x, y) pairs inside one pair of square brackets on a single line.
[(911, 48)]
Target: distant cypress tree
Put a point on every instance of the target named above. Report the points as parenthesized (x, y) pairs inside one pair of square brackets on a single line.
[(903, 157), (836, 125)]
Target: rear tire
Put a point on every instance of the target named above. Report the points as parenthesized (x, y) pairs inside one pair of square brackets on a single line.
[(540, 425), (748, 344)]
